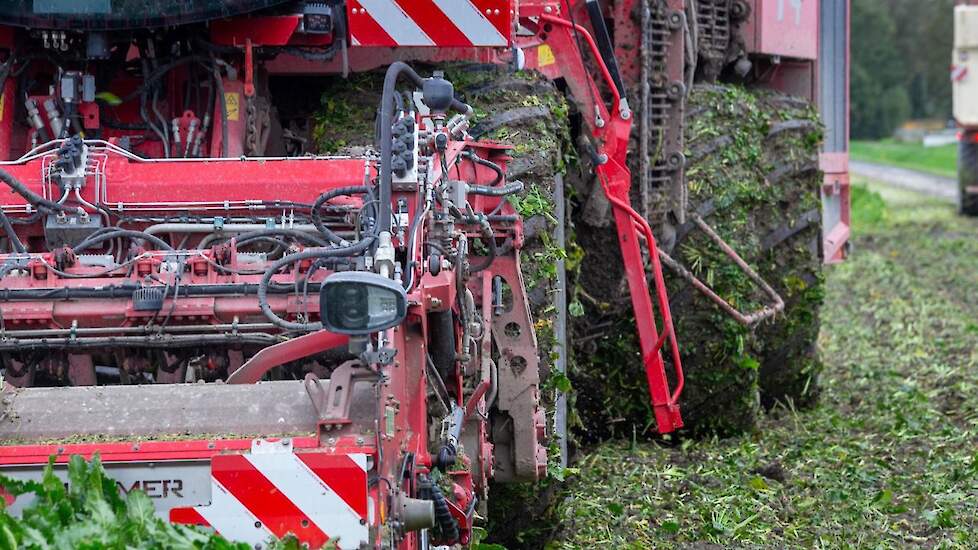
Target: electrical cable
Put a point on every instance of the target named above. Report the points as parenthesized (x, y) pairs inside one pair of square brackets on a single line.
[(317, 219), (15, 243), (246, 238), (310, 254), (98, 238), (33, 198)]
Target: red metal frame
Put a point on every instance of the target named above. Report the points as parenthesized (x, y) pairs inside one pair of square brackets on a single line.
[(231, 186), (611, 129)]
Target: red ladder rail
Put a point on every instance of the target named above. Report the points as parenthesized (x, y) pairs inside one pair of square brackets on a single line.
[(556, 50), (631, 228)]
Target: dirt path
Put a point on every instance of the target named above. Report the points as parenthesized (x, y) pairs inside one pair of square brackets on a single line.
[(936, 186)]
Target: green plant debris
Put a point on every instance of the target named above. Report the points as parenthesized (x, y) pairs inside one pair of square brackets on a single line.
[(888, 459), (347, 113), (89, 513), (752, 174)]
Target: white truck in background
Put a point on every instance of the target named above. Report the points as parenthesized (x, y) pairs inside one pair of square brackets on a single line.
[(964, 85)]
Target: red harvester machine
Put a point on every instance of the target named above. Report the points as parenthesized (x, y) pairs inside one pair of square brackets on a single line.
[(268, 342)]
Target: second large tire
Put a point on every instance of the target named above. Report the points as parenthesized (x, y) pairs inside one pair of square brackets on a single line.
[(968, 173), (752, 174)]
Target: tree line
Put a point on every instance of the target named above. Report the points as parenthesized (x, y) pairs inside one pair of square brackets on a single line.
[(901, 56)]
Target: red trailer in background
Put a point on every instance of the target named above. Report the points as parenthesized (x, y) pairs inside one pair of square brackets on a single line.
[(271, 342)]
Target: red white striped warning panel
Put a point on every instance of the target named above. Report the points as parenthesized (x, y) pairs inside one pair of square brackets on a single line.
[(443, 23), (318, 497)]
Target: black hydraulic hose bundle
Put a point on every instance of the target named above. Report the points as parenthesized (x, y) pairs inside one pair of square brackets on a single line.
[(447, 527), (324, 199), (394, 72), (310, 254), (252, 236), (8, 228), (37, 201), (153, 76), (108, 235), (487, 163), (387, 135), (508, 189)]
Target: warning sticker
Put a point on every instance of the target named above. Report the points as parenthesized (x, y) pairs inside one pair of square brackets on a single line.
[(545, 56), (233, 102)]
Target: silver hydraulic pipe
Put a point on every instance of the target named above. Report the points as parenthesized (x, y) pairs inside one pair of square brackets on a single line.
[(176, 227), (109, 331)]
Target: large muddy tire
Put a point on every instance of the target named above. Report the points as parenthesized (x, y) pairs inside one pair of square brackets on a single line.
[(752, 174), (968, 173), (529, 113)]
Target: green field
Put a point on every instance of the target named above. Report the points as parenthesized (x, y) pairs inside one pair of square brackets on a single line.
[(941, 160), (888, 459)]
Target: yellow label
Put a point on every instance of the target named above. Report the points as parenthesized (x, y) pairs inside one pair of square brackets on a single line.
[(3, 101), (545, 56), (233, 102)]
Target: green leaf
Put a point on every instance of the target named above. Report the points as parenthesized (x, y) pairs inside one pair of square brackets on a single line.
[(8, 540), (562, 382), (883, 498), (575, 309), (758, 484), (945, 518), (670, 527), (92, 515)]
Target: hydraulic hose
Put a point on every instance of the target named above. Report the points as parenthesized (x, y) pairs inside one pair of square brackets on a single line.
[(447, 526), (102, 237), (490, 239), (605, 45), (8, 228), (488, 164), (507, 189), (222, 102), (36, 200), (246, 238), (323, 199), (394, 72), (311, 254)]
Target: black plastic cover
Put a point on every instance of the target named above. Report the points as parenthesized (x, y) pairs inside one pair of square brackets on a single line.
[(94, 15)]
